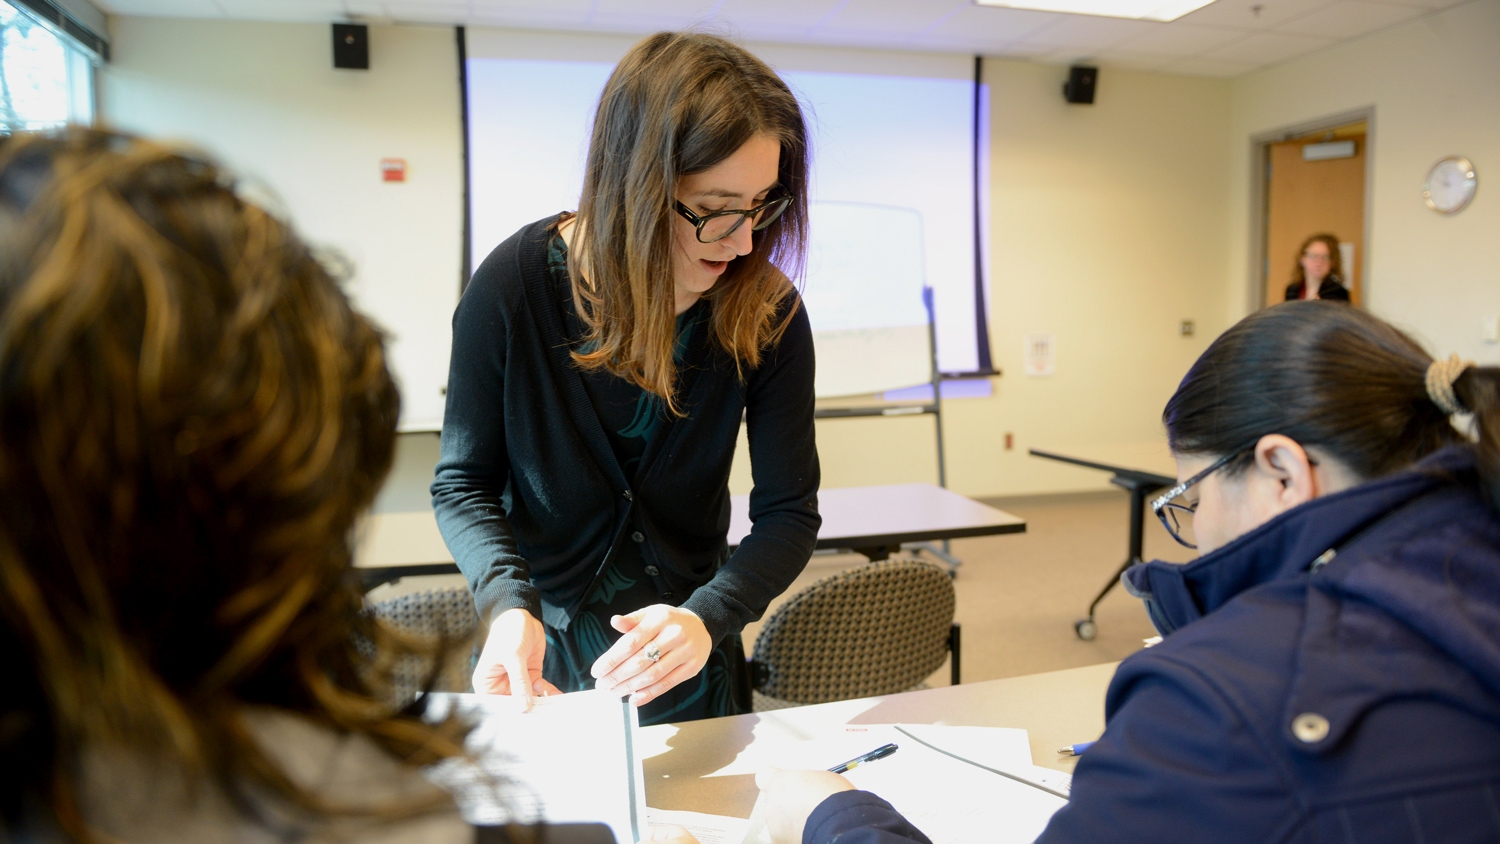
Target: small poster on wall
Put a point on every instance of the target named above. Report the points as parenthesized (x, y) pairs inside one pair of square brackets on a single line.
[(1040, 355)]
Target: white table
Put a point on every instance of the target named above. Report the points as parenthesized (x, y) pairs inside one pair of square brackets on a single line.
[(1057, 709), (872, 520)]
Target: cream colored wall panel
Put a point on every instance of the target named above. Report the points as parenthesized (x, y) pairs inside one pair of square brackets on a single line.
[(264, 98), (1108, 226), (1431, 85)]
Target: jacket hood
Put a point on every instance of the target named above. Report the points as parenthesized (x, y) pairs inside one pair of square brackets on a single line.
[(1388, 572), (1177, 594)]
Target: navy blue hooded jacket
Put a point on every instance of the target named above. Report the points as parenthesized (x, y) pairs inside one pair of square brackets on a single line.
[(1331, 676)]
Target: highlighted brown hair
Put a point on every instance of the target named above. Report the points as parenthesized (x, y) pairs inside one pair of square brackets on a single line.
[(191, 418), (678, 104), (1335, 259)]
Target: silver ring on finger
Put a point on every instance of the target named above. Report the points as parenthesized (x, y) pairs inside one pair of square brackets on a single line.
[(653, 653)]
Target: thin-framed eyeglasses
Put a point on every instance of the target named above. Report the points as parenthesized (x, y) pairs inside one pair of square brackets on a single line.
[(1177, 517), (718, 225)]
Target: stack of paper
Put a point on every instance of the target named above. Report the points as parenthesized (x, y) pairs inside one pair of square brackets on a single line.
[(572, 758)]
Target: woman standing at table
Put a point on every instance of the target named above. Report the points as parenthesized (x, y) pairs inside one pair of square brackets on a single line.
[(1330, 669), (602, 363), (1319, 273)]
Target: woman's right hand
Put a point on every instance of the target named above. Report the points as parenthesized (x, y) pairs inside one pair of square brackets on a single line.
[(511, 661)]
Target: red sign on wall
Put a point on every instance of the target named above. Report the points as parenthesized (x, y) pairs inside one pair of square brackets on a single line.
[(393, 169)]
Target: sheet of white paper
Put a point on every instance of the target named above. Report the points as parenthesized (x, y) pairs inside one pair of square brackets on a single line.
[(708, 829), (570, 759), (949, 799), (953, 801), (1005, 748)]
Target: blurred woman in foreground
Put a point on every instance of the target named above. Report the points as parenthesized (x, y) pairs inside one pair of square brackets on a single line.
[(1331, 663), (191, 418)]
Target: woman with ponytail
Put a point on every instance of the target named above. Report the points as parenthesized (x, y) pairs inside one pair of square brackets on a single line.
[(1330, 668)]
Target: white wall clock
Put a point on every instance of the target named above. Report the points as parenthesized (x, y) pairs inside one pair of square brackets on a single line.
[(1450, 185)]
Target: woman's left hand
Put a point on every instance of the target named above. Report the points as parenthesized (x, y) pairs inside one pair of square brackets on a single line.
[(674, 635)]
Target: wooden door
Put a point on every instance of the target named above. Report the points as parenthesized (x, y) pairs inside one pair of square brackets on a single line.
[(1304, 198)]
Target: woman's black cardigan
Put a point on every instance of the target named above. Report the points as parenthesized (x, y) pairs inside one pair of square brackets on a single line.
[(530, 498), (1331, 289)]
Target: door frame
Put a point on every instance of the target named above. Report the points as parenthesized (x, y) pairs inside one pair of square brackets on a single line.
[(1260, 156)]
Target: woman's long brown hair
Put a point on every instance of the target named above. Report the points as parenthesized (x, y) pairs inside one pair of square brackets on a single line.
[(678, 104), (192, 417), (1335, 259)]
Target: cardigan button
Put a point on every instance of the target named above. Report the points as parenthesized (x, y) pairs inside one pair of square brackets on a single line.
[(638, 536), (653, 571), (1310, 727), (629, 496)]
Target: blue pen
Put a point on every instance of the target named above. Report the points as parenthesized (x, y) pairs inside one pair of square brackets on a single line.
[(878, 753), (1075, 749)]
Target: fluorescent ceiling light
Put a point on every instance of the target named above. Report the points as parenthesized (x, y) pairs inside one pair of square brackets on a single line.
[(1148, 10)]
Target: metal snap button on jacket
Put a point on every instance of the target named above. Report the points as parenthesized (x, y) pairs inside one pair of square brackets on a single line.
[(1310, 727)]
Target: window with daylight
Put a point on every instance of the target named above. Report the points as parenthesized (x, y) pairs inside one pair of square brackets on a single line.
[(45, 80)]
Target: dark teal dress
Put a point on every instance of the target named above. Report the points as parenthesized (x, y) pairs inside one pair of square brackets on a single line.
[(630, 417)]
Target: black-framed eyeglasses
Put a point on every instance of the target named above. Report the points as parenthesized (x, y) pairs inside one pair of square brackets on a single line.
[(1177, 517), (718, 225)]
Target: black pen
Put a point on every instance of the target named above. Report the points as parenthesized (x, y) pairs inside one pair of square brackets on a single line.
[(878, 753)]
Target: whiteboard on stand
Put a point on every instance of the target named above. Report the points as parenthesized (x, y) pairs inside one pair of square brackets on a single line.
[(864, 296)]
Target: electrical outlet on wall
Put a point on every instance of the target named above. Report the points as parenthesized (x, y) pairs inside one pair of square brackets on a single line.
[(1187, 327), (1040, 355), (1492, 329)]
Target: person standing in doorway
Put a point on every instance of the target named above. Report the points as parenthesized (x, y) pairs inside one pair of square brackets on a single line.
[(1319, 273)]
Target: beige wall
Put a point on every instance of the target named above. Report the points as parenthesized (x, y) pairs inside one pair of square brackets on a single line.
[(1108, 226), (1434, 85), (264, 97)]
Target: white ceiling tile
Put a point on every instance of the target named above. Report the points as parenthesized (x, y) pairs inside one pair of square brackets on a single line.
[(1225, 34), (990, 23), (411, 11), (1132, 61), (1427, 4), (653, 9), (1207, 67), (1349, 19), (530, 19), (527, 7), (284, 10), (890, 17), (542, 14), (1180, 39), (1264, 48), (1089, 32), (776, 14), (875, 39), (1242, 14)]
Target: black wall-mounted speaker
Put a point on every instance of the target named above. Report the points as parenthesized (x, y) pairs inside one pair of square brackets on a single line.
[(351, 46), (1080, 85)]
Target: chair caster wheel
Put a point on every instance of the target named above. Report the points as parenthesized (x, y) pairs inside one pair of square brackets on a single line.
[(1086, 629)]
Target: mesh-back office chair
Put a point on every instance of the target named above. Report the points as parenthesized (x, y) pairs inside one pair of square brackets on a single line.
[(430, 616), (872, 630)]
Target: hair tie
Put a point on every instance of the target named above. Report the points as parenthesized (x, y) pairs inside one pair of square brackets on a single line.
[(1440, 377)]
